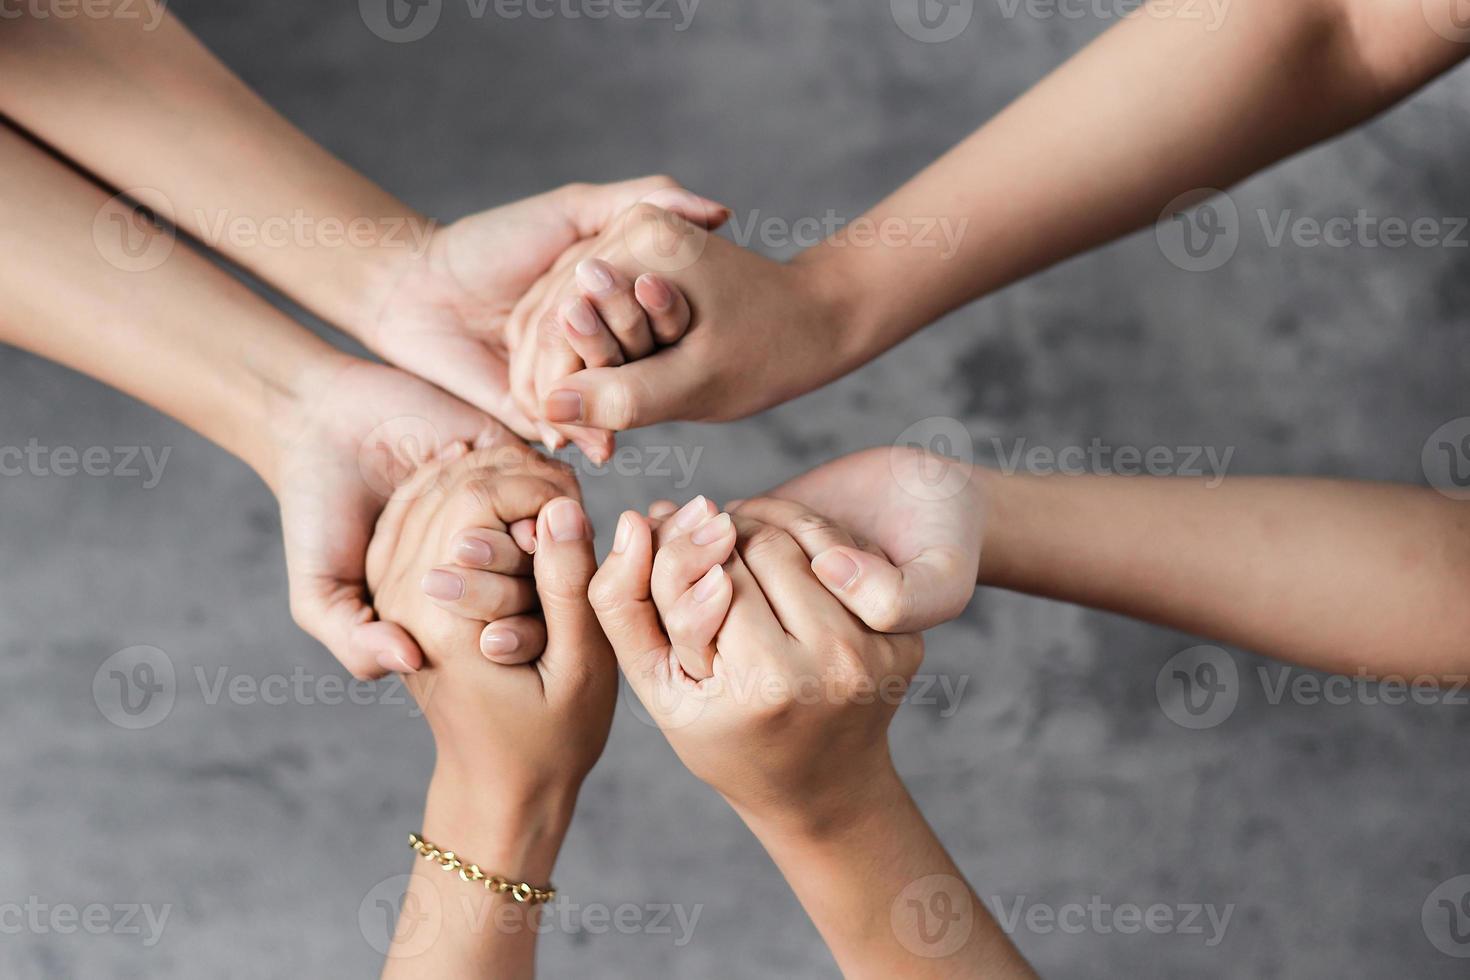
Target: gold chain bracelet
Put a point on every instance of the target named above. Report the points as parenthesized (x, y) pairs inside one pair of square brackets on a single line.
[(521, 891)]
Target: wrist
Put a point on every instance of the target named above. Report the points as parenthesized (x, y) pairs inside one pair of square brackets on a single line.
[(287, 381), (373, 274), (840, 298), (825, 814), (508, 829)]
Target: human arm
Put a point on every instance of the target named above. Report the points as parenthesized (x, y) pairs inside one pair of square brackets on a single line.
[(1332, 574), (790, 726), (513, 740), (94, 286), (137, 100), (1162, 104)]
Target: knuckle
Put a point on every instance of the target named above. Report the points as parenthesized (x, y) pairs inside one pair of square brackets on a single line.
[(888, 610), (813, 525), (604, 591), (764, 541), (619, 405)]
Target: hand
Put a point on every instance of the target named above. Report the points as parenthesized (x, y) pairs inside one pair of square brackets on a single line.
[(759, 332), (791, 723), (513, 740), (550, 716), (340, 459), (444, 316), (924, 513)]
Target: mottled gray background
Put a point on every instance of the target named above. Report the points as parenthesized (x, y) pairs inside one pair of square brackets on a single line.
[(1058, 778)]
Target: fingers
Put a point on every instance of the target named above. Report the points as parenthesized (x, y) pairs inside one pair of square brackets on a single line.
[(621, 596), (802, 604), (611, 293), (523, 533), (931, 589), (337, 615), (661, 388), (588, 336), (814, 532), (565, 564), (695, 617), (555, 359), (684, 560), (479, 595), (689, 568), (662, 509), (592, 207), (514, 640), (682, 521), (489, 550), (666, 307)]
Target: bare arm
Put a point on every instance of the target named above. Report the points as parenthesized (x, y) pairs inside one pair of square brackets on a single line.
[(1157, 106), (1336, 575), (1331, 574), (1160, 106), (139, 102)]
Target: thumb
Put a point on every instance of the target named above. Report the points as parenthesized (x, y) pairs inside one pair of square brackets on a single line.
[(564, 567), (919, 594), (336, 614), (623, 599), (656, 389)]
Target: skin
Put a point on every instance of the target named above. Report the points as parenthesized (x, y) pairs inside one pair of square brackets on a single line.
[(787, 729), (138, 102), (1267, 81), (331, 435), (514, 740), (1335, 575)]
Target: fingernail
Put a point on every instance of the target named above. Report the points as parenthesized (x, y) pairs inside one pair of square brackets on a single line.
[(594, 276), (623, 534), (564, 519), (711, 531), (440, 584), (393, 662), (473, 551), (835, 569), (653, 294), (579, 314), (705, 588), (455, 451), (691, 513), (499, 643), (564, 405)]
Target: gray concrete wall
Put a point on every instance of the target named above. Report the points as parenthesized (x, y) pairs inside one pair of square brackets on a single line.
[(1056, 776)]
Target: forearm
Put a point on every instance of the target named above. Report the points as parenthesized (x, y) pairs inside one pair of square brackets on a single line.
[(883, 892), (139, 102), (1159, 105), (1334, 575), (177, 333), (450, 927)]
